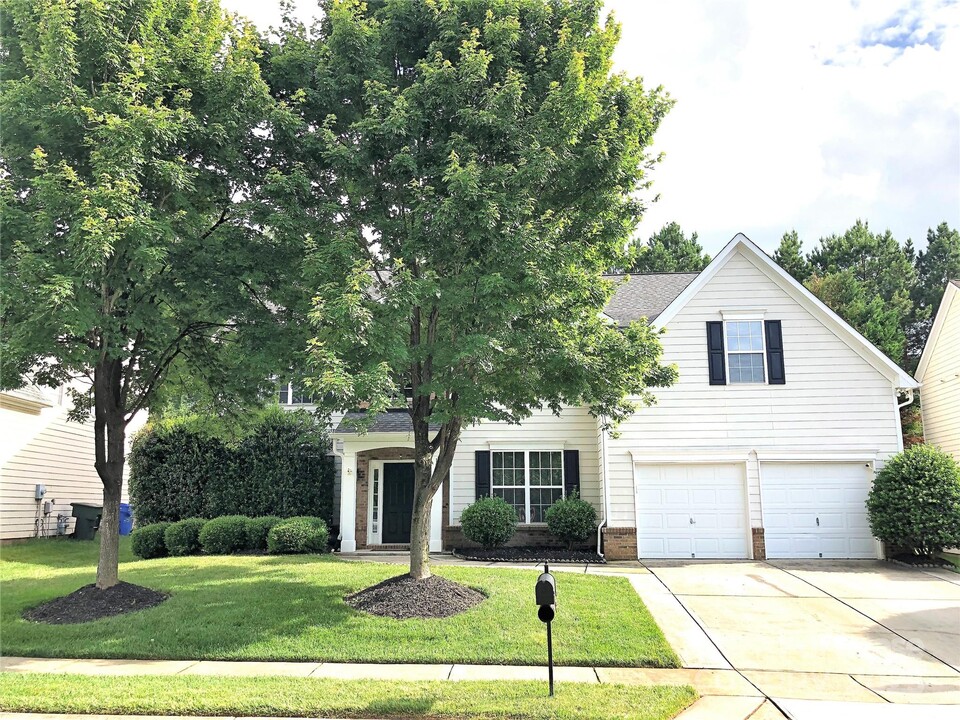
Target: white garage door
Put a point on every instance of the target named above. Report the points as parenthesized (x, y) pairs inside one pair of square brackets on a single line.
[(816, 510), (691, 511)]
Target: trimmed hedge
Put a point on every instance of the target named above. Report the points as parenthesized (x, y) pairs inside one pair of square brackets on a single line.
[(179, 470), (224, 535), (915, 501), (490, 522), (572, 520), (298, 535), (147, 541), (183, 537), (257, 530)]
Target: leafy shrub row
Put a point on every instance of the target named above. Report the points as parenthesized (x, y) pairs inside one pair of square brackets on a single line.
[(231, 534), (180, 469), (491, 521)]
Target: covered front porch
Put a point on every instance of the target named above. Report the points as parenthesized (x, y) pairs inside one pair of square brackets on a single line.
[(377, 482)]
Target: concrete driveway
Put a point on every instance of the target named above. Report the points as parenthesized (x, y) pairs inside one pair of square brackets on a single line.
[(852, 631)]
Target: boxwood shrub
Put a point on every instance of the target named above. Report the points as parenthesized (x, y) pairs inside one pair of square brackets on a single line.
[(490, 522), (147, 541), (224, 535), (298, 535), (183, 537), (915, 501), (572, 520), (257, 530)]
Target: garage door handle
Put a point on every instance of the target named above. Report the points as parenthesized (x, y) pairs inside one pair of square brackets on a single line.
[(692, 521), (818, 522)]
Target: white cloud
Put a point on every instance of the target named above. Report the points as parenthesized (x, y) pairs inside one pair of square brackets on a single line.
[(803, 114)]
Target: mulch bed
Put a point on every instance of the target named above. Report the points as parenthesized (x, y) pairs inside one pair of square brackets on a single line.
[(88, 603), (920, 561), (403, 598), (529, 554)]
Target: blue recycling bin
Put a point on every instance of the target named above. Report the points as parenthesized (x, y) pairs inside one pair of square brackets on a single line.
[(126, 519)]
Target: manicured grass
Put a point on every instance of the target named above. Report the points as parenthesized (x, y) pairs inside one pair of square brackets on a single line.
[(291, 608), (311, 697)]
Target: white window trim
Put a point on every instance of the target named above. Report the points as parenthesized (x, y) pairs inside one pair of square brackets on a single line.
[(375, 471), (727, 352), (526, 450)]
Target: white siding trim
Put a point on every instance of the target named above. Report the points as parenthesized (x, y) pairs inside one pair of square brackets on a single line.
[(949, 294)]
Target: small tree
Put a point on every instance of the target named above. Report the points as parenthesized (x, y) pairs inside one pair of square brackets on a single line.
[(473, 169), (132, 173), (915, 501)]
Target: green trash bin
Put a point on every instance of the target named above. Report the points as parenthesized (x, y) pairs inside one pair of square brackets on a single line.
[(88, 520)]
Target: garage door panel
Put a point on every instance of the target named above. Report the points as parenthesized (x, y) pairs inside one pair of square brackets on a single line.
[(712, 496), (813, 510)]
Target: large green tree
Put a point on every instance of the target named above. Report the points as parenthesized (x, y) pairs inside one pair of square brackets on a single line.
[(667, 250), (789, 256), (133, 176), (938, 263), (468, 172)]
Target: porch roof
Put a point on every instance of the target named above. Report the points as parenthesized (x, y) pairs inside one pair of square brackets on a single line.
[(395, 420)]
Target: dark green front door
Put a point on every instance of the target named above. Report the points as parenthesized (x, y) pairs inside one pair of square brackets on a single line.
[(397, 502)]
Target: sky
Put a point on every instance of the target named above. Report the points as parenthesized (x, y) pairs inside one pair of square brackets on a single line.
[(791, 114)]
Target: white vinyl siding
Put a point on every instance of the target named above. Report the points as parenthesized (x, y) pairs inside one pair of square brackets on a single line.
[(575, 429), (940, 394), (45, 448), (833, 401)]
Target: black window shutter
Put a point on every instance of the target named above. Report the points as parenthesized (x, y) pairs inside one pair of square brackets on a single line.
[(775, 373), (571, 472), (482, 479), (716, 361)]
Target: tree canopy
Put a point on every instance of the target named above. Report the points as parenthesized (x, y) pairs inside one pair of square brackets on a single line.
[(667, 250), (469, 172), (135, 169)]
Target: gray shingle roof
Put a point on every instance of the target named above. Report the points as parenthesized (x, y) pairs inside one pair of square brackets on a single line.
[(392, 421), (645, 295), (956, 282)]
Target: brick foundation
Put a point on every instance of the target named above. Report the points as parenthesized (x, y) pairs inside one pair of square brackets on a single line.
[(759, 544), (620, 543), (363, 468), (532, 536)]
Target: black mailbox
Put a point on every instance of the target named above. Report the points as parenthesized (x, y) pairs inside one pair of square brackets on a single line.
[(546, 589)]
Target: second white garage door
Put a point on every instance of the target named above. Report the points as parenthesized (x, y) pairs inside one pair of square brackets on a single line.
[(691, 511), (816, 510)]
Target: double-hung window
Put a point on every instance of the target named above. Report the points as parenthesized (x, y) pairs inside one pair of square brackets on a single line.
[(745, 351), (530, 480)]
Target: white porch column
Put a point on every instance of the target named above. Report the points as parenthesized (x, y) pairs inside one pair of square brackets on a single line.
[(436, 518), (348, 503)]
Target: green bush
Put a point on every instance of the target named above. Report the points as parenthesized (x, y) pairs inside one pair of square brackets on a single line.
[(224, 535), (490, 522), (183, 537), (572, 520), (298, 535), (257, 530), (180, 469), (915, 501), (147, 541)]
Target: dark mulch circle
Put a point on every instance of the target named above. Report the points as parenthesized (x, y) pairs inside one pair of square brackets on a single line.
[(88, 603), (529, 554), (403, 598), (920, 561)]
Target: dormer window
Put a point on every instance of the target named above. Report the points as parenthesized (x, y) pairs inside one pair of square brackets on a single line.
[(745, 350)]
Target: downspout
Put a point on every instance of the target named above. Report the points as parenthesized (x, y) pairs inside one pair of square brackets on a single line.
[(605, 475), (338, 452), (908, 400)]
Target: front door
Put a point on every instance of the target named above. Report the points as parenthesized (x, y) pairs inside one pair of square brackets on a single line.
[(397, 502)]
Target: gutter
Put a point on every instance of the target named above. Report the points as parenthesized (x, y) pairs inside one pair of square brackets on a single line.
[(908, 400)]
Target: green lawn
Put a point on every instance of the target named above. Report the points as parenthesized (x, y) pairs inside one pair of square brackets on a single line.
[(291, 608), (310, 697)]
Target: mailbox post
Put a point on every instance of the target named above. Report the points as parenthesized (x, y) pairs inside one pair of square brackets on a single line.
[(546, 592)]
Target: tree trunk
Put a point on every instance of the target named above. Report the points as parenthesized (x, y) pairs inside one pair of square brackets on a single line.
[(110, 439)]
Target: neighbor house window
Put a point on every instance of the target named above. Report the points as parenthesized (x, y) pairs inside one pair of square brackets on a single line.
[(291, 394), (530, 480), (744, 344)]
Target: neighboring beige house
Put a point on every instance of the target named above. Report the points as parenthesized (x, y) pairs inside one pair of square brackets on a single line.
[(41, 447), (939, 375), (766, 446)]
